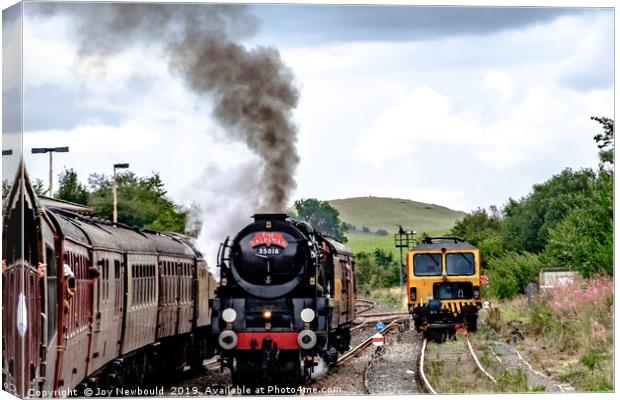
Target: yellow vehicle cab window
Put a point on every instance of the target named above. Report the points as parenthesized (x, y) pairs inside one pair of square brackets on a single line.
[(427, 264), (460, 264)]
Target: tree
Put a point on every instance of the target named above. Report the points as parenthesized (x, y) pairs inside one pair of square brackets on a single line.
[(478, 225), (383, 258), (71, 189), (142, 202), (37, 186), (6, 188), (322, 216), (527, 222), (605, 141), (584, 239)]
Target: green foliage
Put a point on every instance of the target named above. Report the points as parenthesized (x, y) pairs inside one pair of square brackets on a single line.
[(376, 269), (541, 318), (141, 202), (512, 381), (592, 360), (383, 258), (587, 380), (37, 186), (322, 216), (584, 239), (6, 188), (71, 189), (390, 298), (483, 230), (527, 222), (478, 226), (510, 273), (605, 141)]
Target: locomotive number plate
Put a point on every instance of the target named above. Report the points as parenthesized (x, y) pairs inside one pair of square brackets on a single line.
[(267, 250)]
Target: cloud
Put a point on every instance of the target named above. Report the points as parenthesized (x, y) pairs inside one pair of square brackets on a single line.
[(318, 24), (456, 120)]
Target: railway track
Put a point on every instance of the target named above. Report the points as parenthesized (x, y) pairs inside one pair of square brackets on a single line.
[(423, 378), (363, 305), (390, 369), (426, 382), (362, 346)]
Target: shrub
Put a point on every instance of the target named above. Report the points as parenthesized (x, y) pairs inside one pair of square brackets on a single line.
[(510, 273), (580, 293)]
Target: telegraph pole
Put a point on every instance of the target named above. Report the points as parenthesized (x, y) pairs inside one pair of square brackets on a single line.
[(114, 198), (50, 150)]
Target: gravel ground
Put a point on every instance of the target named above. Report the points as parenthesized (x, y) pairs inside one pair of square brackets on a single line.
[(394, 371), (207, 382), (346, 379)]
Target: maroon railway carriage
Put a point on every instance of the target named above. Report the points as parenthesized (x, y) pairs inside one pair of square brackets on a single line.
[(139, 310)]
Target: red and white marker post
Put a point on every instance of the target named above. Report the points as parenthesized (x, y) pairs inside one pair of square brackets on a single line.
[(378, 339)]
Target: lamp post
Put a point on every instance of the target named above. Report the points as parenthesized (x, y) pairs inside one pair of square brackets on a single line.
[(50, 150), (114, 199), (403, 239)]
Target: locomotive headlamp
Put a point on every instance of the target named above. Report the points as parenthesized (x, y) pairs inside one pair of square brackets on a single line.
[(266, 314), (307, 315), (229, 315)]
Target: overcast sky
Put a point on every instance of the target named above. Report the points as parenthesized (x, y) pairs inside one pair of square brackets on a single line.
[(461, 107)]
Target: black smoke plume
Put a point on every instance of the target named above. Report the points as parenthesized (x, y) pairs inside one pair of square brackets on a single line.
[(252, 89)]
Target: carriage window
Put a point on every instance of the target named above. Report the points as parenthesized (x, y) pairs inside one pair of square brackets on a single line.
[(427, 264), (106, 280), (52, 294), (460, 264)]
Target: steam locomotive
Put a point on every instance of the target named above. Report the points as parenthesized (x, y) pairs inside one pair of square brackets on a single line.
[(285, 303), (88, 303)]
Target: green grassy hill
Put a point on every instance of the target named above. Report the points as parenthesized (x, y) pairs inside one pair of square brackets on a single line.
[(386, 213)]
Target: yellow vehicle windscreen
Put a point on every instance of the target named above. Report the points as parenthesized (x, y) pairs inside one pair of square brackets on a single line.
[(427, 264), (460, 264)]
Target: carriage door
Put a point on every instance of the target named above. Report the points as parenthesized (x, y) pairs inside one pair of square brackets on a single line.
[(346, 290)]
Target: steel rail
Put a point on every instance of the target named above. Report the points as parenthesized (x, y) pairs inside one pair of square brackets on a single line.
[(422, 374), (480, 367), (360, 347)]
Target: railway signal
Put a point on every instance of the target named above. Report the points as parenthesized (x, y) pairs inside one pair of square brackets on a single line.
[(403, 239)]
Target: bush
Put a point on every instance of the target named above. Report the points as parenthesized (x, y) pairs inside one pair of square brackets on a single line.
[(510, 273), (382, 232), (375, 270), (577, 319)]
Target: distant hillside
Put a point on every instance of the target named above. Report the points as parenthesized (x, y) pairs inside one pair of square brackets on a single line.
[(386, 213)]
